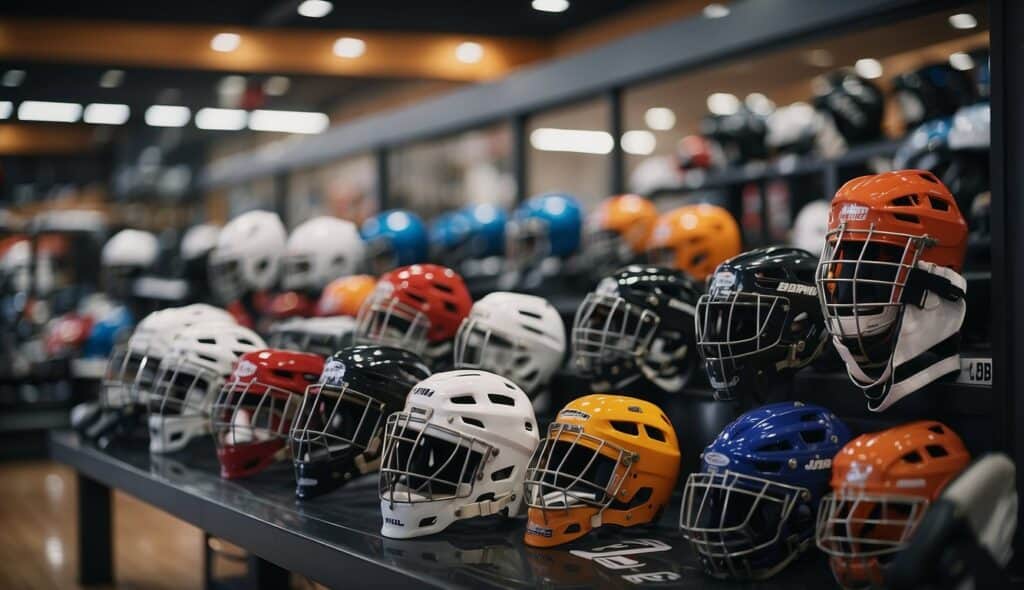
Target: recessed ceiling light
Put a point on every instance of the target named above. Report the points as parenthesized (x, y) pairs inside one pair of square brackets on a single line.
[(276, 85), (723, 103), (13, 78), (469, 52), (106, 114), (716, 10), (639, 142), (868, 68), (221, 119), (660, 118), (961, 61), (349, 47), (315, 8), (56, 112), (111, 78), (550, 5), (160, 115), (6, 107), (225, 42), (963, 21), (288, 121), (580, 141)]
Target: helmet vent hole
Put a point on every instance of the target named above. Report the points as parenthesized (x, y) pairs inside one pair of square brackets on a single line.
[(532, 329), (206, 341), (450, 307), (936, 451), (503, 474), (503, 400), (905, 201), (626, 427), (937, 429), (940, 204), (442, 287), (428, 521), (472, 422), (416, 297), (767, 466), (465, 400), (809, 418), (282, 374), (246, 342), (813, 436), (483, 497), (207, 358), (913, 457), (781, 445), (654, 433), (572, 529), (930, 178), (529, 427), (907, 218)]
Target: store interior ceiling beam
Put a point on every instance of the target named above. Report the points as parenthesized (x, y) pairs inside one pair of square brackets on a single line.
[(386, 54)]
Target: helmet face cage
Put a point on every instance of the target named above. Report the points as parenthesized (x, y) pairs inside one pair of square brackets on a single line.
[(607, 328), (861, 280), (336, 421), (724, 514), (606, 251), (385, 320), (864, 530), (179, 403), (122, 368), (478, 346), (572, 468), (380, 255), (424, 462), (527, 241), (227, 278), (319, 343), (298, 271), (251, 412)]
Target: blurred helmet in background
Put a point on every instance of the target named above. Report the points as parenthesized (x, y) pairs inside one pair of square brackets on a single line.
[(616, 233), (694, 239), (394, 238), (933, 91), (852, 107), (247, 257), (319, 251), (545, 226)]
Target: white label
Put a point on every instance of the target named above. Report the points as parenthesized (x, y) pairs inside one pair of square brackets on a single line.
[(723, 280), (853, 212), (627, 547), (975, 371), (652, 577), (245, 369), (716, 459), (572, 413), (797, 288), (858, 473), (607, 286), (334, 373)]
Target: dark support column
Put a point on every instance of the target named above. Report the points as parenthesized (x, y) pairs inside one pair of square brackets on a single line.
[(1007, 18), (519, 157), (95, 540), (264, 575), (281, 197), (383, 180), (617, 164)]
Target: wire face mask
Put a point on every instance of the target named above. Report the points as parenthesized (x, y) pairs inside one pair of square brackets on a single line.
[(121, 372), (179, 403), (734, 325), (526, 242), (387, 321), (477, 346), (608, 328)]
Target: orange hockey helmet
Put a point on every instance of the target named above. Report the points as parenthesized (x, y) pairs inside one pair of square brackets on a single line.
[(695, 239), (345, 296), (617, 231), (607, 459), (882, 484)]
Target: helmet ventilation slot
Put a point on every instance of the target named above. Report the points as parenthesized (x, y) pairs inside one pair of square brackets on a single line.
[(937, 429), (443, 287), (813, 436), (768, 466), (472, 422), (913, 457), (940, 204), (905, 201), (530, 314), (206, 341), (465, 400), (428, 521), (930, 178), (626, 427), (503, 400), (572, 529), (503, 473), (450, 307), (654, 433), (935, 451), (781, 445), (907, 218)]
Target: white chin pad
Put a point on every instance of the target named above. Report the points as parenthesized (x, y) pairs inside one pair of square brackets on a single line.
[(567, 499)]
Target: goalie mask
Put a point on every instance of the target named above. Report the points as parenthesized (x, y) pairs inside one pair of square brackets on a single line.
[(760, 320), (889, 282), (635, 332), (338, 433)]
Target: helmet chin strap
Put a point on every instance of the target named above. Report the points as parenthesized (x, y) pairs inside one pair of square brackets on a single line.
[(925, 349), (485, 507)]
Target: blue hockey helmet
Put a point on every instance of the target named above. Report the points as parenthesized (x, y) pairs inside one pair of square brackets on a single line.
[(115, 326), (394, 238), (546, 225)]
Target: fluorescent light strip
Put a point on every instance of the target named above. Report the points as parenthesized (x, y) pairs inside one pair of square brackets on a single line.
[(160, 115), (581, 141), (639, 142), (315, 8), (550, 5), (6, 107), (99, 113), (288, 121), (225, 42), (221, 119), (54, 112)]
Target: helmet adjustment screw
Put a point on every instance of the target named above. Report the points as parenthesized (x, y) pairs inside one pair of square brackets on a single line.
[(792, 463)]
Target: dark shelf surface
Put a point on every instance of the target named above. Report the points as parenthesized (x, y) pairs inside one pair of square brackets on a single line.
[(336, 539)]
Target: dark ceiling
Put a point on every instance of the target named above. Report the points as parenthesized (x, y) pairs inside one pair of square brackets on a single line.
[(484, 17)]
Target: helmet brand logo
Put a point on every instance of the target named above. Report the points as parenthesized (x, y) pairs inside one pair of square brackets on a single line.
[(536, 529), (723, 280), (573, 413), (853, 212), (818, 464), (424, 391), (333, 374), (858, 473), (607, 286), (716, 459), (797, 288), (245, 369), (393, 521)]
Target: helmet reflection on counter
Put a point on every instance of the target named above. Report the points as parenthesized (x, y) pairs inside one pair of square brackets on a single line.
[(607, 459), (544, 226), (458, 450), (394, 238)]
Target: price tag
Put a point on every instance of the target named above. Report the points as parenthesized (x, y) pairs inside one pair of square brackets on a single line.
[(975, 371)]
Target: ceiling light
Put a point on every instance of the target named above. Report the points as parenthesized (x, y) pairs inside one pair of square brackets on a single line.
[(111, 78), (276, 85), (288, 121), (550, 5), (868, 68), (660, 118), (221, 119), (160, 115), (639, 142), (349, 47), (723, 103), (225, 42), (13, 78), (106, 114), (759, 104), (315, 8), (469, 52), (580, 141), (961, 61), (57, 112), (716, 10), (232, 85), (6, 107), (963, 21)]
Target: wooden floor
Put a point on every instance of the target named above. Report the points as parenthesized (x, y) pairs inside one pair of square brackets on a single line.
[(38, 535)]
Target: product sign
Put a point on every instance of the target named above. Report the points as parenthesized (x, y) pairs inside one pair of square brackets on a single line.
[(975, 371)]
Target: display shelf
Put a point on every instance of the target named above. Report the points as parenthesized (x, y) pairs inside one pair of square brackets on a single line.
[(335, 540)]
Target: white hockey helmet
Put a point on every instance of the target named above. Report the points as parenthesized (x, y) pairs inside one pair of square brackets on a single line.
[(199, 240), (200, 359), (521, 337), (247, 257), (130, 248), (458, 450), (319, 251), (810, 227)]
